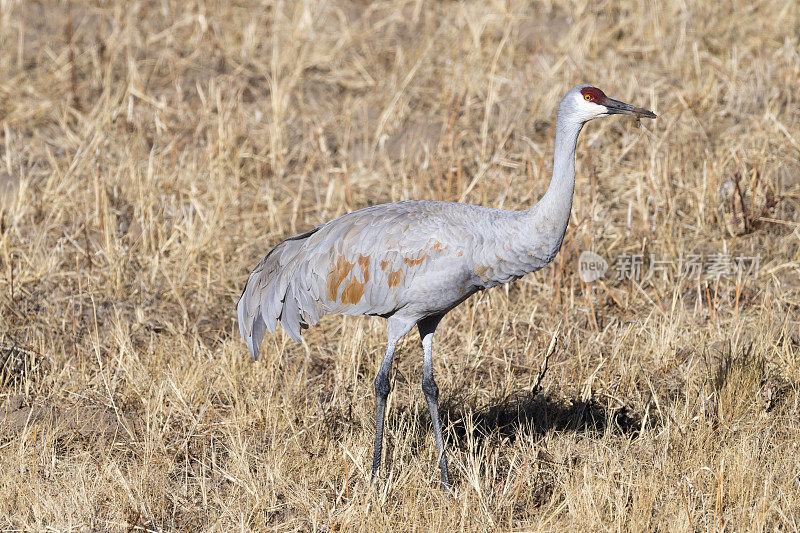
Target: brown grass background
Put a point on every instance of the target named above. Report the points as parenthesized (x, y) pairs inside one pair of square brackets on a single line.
[(153, 151)]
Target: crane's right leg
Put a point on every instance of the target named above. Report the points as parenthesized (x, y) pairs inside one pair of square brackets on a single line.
[(395, 328), (426, 328), (381, 393)]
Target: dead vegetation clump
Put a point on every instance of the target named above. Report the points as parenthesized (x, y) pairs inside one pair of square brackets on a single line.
[(151, 152)]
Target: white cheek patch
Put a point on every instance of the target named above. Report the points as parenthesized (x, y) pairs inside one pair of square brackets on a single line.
[(590, 110)]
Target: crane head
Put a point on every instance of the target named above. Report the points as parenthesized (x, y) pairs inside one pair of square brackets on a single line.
[(585, 103)]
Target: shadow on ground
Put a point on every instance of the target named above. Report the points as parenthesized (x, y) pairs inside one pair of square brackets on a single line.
[(523, 414), (534, 413)]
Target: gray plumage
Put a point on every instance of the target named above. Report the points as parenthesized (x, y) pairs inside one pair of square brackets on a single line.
[(413, 258), (411, 262)]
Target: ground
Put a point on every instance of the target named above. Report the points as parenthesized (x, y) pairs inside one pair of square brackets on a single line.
[(152, 152)]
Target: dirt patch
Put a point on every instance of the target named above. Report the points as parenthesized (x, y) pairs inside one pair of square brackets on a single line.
[(89, 422)]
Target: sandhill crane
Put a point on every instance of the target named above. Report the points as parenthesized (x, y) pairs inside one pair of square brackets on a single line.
[(411, 262)]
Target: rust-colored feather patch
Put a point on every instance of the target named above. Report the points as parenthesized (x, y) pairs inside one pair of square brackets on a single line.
[(414, 262), (353, 292), (363, 262), (481, 270), (395, 277), (337, 275)]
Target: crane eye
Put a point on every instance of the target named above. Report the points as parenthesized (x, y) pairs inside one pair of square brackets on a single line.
[(588, 97)]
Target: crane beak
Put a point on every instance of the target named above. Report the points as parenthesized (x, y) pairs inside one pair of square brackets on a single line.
[(615, 107)]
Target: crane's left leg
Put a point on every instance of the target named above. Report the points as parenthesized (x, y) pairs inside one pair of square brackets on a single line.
[(396, 328), (426, 328), (382, 388)]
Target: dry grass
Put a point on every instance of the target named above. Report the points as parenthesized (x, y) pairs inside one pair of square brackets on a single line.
[(153, 151)]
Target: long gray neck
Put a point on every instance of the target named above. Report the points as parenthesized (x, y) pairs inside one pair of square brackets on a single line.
[(550, 216)]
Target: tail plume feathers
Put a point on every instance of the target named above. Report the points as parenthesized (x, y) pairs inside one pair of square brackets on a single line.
[(272, 293), (256, 336)]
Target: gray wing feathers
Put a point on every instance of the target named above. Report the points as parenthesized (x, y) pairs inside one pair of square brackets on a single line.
[(274, 293), (344, 266)]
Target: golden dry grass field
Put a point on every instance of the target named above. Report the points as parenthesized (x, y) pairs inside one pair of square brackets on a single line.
[(151, 152)]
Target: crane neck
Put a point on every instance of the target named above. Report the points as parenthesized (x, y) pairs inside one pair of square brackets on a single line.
[(550, 216), (562, 184)]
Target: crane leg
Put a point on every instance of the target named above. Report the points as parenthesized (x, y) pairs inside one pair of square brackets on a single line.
[(381, 393), (396, 329), (426, 328)]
